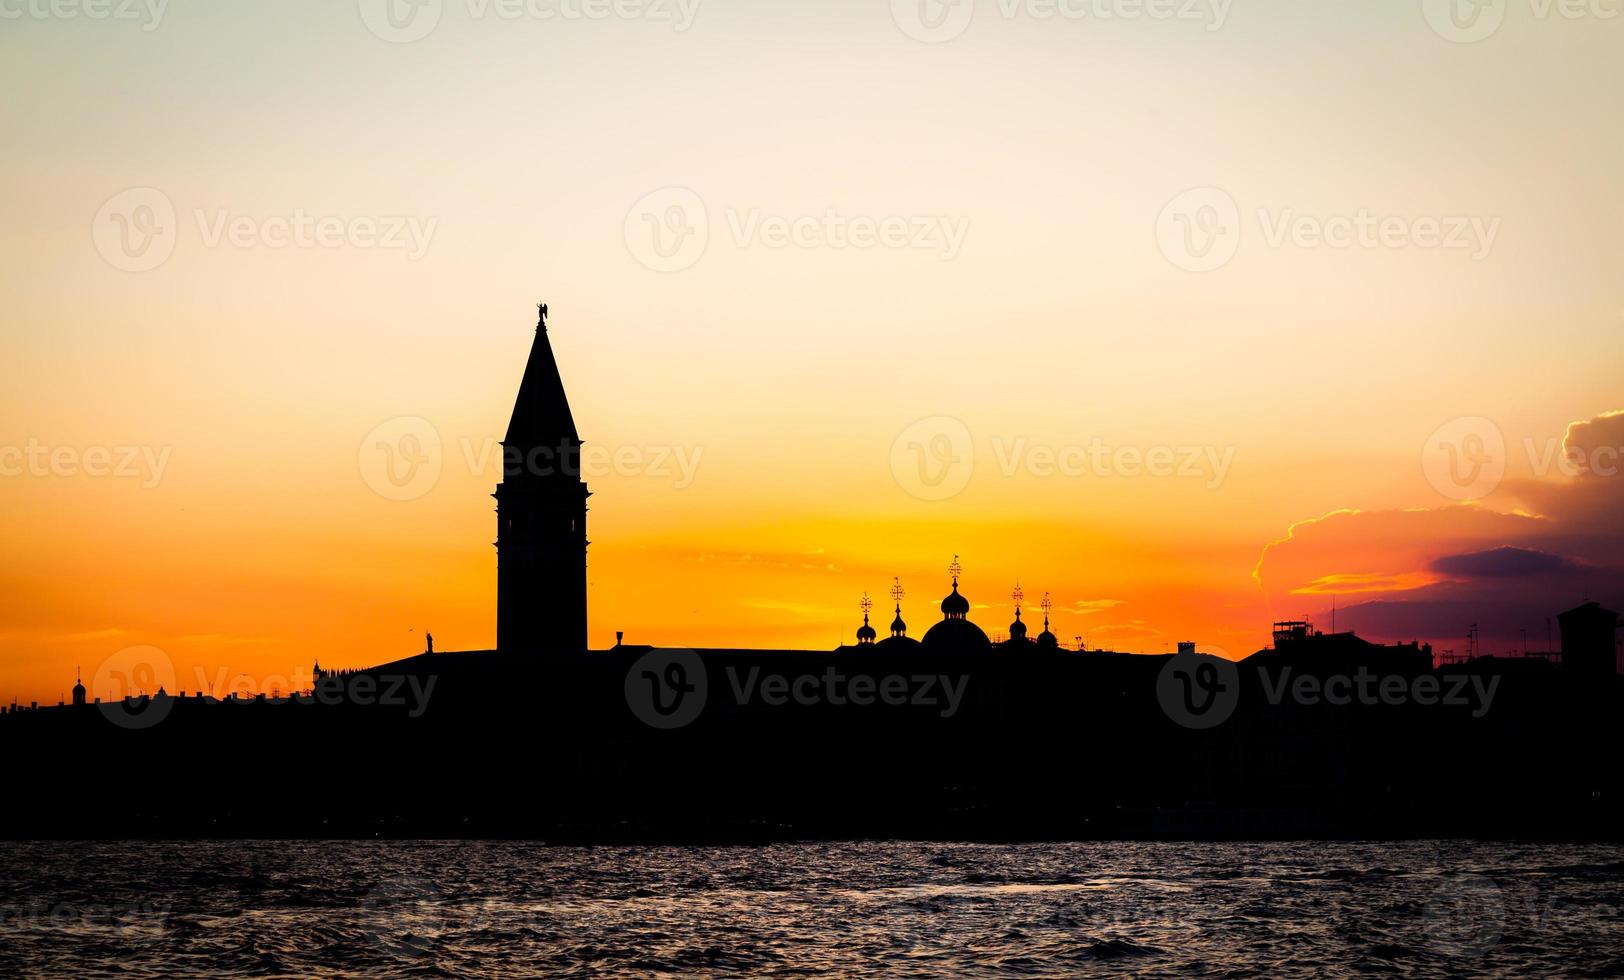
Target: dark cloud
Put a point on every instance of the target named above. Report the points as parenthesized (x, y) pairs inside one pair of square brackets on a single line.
[(1504, 562)]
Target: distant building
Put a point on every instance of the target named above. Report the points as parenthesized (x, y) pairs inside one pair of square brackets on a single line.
[(1589, 648)]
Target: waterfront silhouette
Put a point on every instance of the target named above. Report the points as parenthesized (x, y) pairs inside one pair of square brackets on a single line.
[(949, 733)]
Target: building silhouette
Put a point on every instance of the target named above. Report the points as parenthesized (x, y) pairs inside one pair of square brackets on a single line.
[(541, 601), (543, 737)]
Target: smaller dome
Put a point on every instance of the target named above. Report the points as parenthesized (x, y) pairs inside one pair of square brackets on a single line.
[(955, 604), (865, 632), (898, 644), (1047, 640), (1017, 629), (898, 627)]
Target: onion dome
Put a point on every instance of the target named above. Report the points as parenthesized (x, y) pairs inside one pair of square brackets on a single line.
[(1017, 629), (865, 632), (1046, 639), (955, 606), (899, 641)]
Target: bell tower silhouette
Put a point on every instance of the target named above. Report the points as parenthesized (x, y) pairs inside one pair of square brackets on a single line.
[(541, 515)]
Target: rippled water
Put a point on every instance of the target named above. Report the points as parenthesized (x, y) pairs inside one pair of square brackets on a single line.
[(904, 909)]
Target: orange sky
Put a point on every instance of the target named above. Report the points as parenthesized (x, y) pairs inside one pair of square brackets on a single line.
[(351, 231)]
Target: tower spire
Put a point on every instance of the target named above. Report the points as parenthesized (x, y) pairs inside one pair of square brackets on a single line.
[(541, 413), (541, 514)]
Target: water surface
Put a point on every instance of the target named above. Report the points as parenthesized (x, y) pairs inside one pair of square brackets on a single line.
[(413, 909)]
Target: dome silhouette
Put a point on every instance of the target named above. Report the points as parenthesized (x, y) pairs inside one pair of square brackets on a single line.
[(955, 604), (951, 635), (898, 644)]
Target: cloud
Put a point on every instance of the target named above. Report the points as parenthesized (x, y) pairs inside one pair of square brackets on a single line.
[(1503, 562), (1088, 607), (1429, 573), (1592, 447)]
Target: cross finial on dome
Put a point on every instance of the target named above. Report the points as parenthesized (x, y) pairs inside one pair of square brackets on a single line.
[(1017, 595), (896, 588), (955, 569), (866, 604)]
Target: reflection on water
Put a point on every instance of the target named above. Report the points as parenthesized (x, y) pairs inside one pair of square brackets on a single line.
[(909, 909)]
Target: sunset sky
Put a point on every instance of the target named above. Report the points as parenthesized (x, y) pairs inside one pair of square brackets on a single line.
[(1351, 272)]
